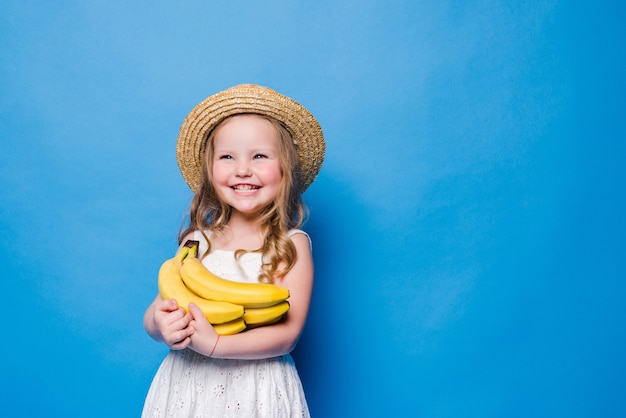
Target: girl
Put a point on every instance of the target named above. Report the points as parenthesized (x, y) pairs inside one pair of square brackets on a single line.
[(248, 153)]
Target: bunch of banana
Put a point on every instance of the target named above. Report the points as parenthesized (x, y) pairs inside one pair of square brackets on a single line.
[(231, 307), (171, 286)]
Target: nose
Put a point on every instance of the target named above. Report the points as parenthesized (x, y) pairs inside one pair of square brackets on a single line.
[(243, 169)]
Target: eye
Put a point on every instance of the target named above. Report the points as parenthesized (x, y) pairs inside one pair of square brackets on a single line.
[(259, 156), (225, 157)]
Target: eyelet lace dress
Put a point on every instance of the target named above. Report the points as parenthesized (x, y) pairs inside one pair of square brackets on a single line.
[(188, 384)]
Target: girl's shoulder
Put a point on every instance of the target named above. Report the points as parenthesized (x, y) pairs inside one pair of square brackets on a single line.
[(202, 240), (293, 232)]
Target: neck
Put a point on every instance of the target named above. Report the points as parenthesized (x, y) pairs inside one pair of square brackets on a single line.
[(241, 232)]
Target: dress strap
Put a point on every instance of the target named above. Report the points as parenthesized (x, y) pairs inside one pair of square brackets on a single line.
[(293, 232)]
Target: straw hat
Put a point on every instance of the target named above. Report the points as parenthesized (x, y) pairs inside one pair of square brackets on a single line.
[(249, 98)]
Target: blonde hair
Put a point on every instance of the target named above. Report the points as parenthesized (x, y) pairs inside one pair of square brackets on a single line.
[(287, 211)]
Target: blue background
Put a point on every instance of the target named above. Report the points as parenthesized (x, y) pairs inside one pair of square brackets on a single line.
[(468, 222)]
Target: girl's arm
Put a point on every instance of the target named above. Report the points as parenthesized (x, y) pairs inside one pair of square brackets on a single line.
[(268, 341)]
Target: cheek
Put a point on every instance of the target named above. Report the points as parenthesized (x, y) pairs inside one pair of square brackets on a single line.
[(219, 174), (272, 174)]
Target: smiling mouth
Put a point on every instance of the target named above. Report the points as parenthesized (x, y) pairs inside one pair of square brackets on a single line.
[(244, 187)]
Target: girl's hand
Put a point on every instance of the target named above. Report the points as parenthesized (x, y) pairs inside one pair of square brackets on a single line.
[(204, 337), (171, 324)]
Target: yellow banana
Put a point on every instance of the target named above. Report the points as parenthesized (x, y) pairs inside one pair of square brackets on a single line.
[(263, 316), (230, 328), (171, 286), (209, 286), (270, 322)]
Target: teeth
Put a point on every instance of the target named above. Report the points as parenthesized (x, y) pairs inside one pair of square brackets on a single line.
[(245, 188)]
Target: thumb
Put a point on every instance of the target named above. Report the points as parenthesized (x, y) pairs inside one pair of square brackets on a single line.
[(195, 310)]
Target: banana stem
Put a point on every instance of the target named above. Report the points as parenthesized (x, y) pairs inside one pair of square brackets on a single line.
[(192, 247), (182, 255)]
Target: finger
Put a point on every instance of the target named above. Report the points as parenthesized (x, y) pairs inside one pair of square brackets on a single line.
[(168, 305), (182, 344), (195, 310), (176, 338), (171, 319), (183, 322)]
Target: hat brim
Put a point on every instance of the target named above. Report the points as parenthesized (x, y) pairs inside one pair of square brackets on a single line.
[(249, 98)]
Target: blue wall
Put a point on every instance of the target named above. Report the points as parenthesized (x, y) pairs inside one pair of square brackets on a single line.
[(468, 222)]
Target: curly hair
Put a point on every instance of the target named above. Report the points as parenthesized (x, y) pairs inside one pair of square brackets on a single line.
[(287, 211)]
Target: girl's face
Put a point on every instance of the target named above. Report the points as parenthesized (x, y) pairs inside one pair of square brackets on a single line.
[(246, 169)]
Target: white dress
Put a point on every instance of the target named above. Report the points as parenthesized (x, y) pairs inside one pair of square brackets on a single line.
[(188, 384)]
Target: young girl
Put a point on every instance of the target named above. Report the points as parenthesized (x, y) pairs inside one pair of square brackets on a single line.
[(248, 153)]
